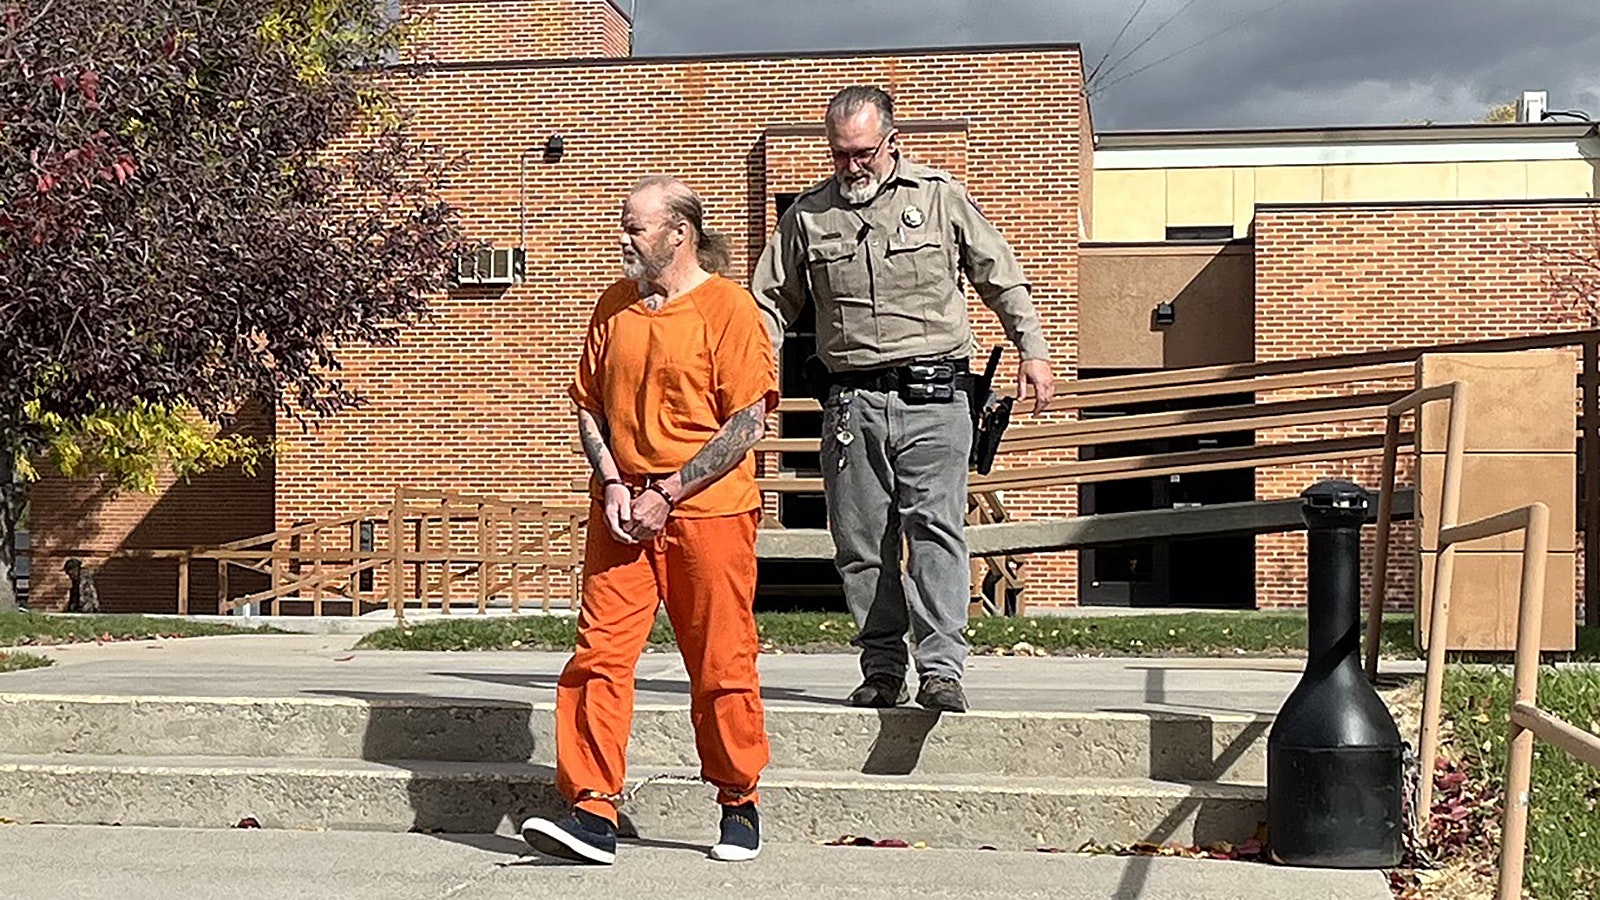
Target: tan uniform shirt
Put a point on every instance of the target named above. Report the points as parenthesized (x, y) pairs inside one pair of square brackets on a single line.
[(886, 276)]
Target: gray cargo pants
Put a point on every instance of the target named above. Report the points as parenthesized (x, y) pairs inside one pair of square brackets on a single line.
[(905, 473)]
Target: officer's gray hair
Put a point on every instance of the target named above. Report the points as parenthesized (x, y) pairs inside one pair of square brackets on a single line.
[(712, 248), (849, 101)]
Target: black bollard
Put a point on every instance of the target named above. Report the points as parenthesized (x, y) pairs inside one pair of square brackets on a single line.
[(1334, 757)]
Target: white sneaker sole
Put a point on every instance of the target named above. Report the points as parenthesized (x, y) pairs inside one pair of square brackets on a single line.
[(732, 853), (550, 839)]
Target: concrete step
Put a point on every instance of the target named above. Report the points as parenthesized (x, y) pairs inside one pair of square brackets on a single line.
[(1161, 745), (946, 811)]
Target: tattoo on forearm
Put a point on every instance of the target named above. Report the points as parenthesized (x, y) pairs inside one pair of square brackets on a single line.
[(594, 442), (726, 448)]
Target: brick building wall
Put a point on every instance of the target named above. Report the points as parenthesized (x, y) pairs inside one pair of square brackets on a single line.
[(85, 518), (475, 399), (1356, 278), (484, 31)]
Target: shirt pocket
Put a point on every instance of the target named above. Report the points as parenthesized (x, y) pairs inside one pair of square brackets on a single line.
[(837, 269), (917, 283)]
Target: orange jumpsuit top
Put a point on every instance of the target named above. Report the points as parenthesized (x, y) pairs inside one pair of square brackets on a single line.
[(666, 380)]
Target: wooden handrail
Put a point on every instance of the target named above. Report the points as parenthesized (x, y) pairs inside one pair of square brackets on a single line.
[(1534, 521), (1188, 391), (1455, 394), (1150, 426), (1528, 722), (1152, 465)]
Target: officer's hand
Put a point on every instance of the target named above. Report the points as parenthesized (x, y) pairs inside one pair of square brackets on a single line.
[(649, 516), (1036, 372), (618, 509)]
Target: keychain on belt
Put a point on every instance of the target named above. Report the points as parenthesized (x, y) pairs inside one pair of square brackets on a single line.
[(841, 432)]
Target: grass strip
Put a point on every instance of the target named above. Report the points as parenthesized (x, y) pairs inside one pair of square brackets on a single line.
[(24, 628), (1234, 633)]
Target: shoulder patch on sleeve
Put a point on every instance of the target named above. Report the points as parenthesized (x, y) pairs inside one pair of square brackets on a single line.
[(973, 200)]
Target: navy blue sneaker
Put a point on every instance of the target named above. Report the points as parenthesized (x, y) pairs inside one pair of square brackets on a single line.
[(741, 834), (579, 836)]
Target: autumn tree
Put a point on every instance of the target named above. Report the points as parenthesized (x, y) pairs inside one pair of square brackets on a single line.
[(200, 201)]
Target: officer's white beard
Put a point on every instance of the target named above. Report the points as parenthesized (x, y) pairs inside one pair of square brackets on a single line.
[(858, 192)]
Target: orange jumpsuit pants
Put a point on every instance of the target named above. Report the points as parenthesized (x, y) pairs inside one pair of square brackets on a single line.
[(704, 570)]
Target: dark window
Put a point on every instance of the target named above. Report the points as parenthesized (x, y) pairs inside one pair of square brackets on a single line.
[(1199, 232)]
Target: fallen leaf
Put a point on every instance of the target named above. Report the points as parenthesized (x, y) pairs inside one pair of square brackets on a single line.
[(248, 822), (343, 658)]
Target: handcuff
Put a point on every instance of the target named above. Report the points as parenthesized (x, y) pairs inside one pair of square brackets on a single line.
[(652, 486)]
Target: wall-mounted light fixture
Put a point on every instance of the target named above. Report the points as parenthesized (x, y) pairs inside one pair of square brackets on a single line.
[(1165, 314), (554, 147)]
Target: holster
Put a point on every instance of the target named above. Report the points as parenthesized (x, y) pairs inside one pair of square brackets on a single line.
[(992, 424)]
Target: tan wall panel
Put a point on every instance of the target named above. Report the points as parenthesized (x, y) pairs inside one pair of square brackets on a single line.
[(1483, 601), (1516, 402), (1492, 181), (1132, 207), (1289, 184), (1563, 178), (1244, 201), (1199, 196), (1495, 482), (1421, 181)]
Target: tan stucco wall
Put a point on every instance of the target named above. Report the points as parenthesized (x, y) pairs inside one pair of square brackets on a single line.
[(1211, 286), (1139, 204)]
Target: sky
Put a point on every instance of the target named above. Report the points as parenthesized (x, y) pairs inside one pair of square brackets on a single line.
[(1187, 64)]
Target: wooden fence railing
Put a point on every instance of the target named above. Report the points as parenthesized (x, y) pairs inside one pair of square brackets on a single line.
[(420, 549)]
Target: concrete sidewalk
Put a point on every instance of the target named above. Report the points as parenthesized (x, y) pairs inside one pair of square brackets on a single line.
[(66, 863), (284, 666)]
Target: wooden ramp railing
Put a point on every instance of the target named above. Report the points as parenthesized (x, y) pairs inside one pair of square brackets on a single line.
[(1356, 394), (424, 547), (1346, 394)]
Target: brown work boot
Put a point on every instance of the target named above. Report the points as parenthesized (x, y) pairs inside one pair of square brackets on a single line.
[(880, 692), (942, 694)]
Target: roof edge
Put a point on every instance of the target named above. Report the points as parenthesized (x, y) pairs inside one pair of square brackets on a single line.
[(1241, 137), (1429, 204), (871, 53)]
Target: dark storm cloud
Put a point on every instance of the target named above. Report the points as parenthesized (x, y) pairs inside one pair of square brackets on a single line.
[(1233, 63)]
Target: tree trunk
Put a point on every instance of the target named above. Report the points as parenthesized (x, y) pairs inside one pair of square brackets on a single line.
[(10, 509)]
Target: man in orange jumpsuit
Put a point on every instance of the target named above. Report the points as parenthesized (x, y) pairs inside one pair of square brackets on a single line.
[(673, 388)]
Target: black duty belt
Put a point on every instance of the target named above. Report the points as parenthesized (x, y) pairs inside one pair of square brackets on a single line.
[(897, 378)]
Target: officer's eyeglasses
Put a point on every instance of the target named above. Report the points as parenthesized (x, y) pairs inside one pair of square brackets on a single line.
[(861, 157)]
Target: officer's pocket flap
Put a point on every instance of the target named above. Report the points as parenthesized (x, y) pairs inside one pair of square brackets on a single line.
[(911, 244), (833, 251)]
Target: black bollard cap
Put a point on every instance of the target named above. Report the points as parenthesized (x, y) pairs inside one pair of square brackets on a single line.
[(1334, 504)]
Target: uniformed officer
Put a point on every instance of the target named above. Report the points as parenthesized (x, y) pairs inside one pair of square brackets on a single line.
[(881, 249)]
